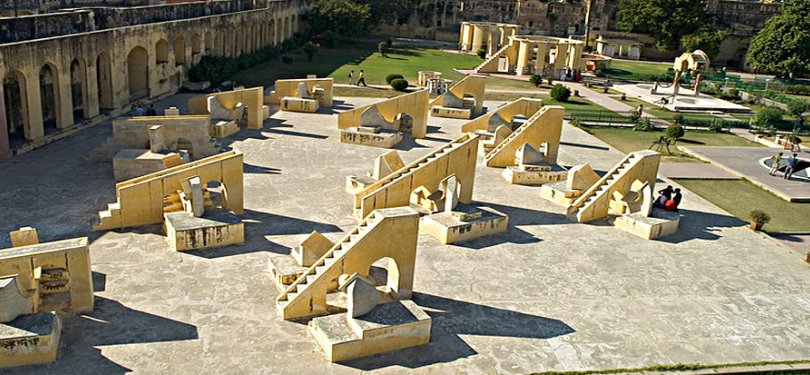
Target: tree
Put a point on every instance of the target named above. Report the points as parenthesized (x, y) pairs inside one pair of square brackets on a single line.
[(674, 132), (310, 49), (389, 11), (343, 17), (783, 45), (382, 48), (668, 21), (707, 40), (768, 116)]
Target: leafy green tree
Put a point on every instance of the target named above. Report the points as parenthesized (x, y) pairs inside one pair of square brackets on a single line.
[(768, 116), (343, 17), (707, 40), (674, 132), (668, 21), (783, 45), (310, 49), (389, 11)]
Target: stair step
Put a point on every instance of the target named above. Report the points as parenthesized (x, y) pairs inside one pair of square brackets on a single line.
[(300, 287)]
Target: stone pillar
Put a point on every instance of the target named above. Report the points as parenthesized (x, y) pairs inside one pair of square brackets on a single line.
[(477, 38), (494, 41), (542, 57), (90, 91), (524, 53), (35, 127), (575, 56), (698, 80), (676, 85), (561, 60), (5, 148), (157, 140), (464, 37), (64, 99)]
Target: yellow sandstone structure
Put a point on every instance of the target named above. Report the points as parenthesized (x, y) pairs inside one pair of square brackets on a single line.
[(242, 106), (529, 153), (144, 200), (362, 317), (302, 95), (535, 54), (696, 61), (384, 123), (624, 193), (457, 157), (36, 282), (485, 35), (464, 99)]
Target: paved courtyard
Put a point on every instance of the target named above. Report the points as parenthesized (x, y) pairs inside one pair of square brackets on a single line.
[(745, 162), (547, 295)]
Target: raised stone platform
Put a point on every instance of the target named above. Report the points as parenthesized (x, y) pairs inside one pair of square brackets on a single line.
[(534, 175), (459, 113), (291, 103), (131, 163), (356, 184), (558, 194), (661, 223), (215, 228), (224, 128), (464, 223), (371, 137), (30, 339), (389, 326), (284, 270)]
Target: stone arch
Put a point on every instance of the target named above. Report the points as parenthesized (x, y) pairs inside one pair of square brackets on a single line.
[(16, 102), (161, 51), (78, 90), (196, 44), (49, 98), (388, 269), (209, 41), (138, 73), (180, 50), (273, 33), (104, 81), (219, 45)]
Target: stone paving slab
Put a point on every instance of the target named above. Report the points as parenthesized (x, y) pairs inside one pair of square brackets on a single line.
[(744, 162), (547, 295), (704, 171)]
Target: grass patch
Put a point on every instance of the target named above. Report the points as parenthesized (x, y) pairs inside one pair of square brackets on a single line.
[(739, 197), (497, 83), (337, 63), (510, 96), (626, 140), (685, 367), (635, 70), (365, 92)]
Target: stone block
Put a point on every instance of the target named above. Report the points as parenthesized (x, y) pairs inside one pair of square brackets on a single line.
[(581, 177), (284, 269), (14, 300), (23, 237), (131, 163), (464, 224), (356, 184), (311, 249), (661, 223), (223, 128), (388, 327), (534, 175), (30, 340), (384, 139), (294, 104), (449, 112), (215, 228), (557, 192)]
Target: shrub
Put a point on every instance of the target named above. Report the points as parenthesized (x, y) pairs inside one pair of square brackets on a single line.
[(382, 48), (624, 97), (677, 118), (798, 89), (482, 53), (399, 84), (310, 49), (287, 59), (717, 126), (769, 116), (575, 121), (576, 92), (797, 107), (536, 80), (389, 43), (644, 125), (674, 132), (759, 217), (218, 69), (550, 80), (329, 39), (560, 93), (392, 77)]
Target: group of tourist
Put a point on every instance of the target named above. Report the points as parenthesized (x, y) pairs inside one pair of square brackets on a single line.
[(151, 111), (574, 75), (791, 164), (361, 78), (668, 199)]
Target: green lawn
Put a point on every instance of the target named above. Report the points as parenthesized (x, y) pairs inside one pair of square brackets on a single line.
[(626, 140), (498, 83), (785, 216), (366, 92), (637, 70), (337, 63)]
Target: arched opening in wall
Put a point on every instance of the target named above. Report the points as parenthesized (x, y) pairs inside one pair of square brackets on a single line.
[(16, 101), (179, 51), (49, 98), (385, 273), (196, 44), (104, 81), (237, 43), (161, 52), (219, 46), (272, 39), (183, 144), (259, 36), (288, 30), (78, 90), (138, 73), (209, 41), (282, 35)]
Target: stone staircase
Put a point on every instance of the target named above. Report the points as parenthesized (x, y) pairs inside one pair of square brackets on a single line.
[(54, 288), (490, 60), (511, 138), (599, 191), (307, 295)]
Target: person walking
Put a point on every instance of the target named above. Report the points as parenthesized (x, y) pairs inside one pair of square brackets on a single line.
[(775, 161), (351, 77), (361, 78), (792, 163)]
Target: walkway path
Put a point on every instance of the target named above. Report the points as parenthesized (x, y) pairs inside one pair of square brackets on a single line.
[(608, 102), (703, 171)]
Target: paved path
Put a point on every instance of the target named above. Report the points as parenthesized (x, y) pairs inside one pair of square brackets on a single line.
[(704, 171), (608, 102)]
